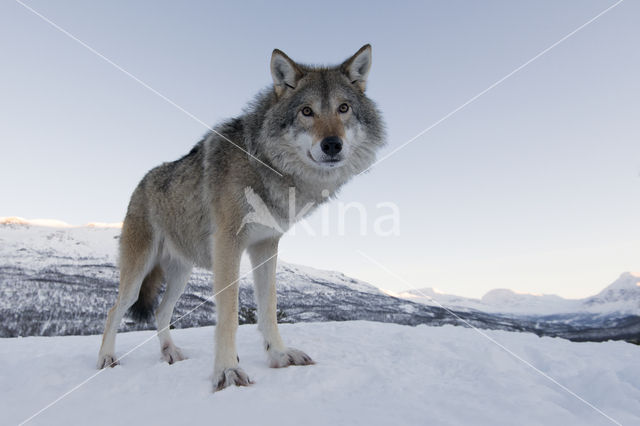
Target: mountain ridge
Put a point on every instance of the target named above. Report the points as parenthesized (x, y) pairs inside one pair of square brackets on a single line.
[(621, 296), (60, 281)]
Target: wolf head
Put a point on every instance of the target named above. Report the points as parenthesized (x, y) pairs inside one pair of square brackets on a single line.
[(317, 123)]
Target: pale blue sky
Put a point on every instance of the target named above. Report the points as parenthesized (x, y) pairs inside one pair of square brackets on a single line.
[(535, 186)]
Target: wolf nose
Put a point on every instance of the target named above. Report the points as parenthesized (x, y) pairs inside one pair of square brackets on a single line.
[(331, 145)]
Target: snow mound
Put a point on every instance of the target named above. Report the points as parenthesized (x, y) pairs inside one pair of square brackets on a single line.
[(366, 374)]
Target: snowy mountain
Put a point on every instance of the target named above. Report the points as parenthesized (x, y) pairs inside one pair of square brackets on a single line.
[(57, 279), (366, 374), (622, 297)]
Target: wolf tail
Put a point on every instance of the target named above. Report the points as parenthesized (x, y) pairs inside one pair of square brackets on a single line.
[(142, 309)]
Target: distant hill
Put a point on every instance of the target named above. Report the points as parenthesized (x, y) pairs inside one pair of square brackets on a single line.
[(622, 297)]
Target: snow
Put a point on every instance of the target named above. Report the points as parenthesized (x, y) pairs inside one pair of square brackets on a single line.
[(23, 243), (366, 374), (318, 275)]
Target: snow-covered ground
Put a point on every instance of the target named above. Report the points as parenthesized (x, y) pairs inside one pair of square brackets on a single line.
[(366, 374)]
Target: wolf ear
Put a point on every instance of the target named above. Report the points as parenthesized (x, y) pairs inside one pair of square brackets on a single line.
[(357, 67), (284, 71)]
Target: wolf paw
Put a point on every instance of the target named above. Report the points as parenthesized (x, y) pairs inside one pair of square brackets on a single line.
[(172, 354), (107, 361), (290, 356), (231, 376)]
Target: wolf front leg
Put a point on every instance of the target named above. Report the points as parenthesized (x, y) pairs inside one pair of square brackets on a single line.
[(226, 264), (264, 258)]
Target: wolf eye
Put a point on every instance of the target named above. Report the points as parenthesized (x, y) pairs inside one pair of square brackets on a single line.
[(307, 112), (343, 108)]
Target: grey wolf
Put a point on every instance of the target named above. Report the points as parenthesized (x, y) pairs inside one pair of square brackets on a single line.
[(317, 128)]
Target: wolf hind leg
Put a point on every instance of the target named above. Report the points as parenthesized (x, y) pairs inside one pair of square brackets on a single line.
[(137, 255), (177, 274), (127, 295)]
